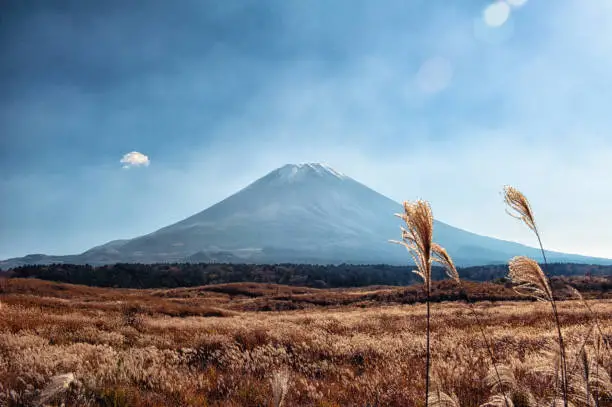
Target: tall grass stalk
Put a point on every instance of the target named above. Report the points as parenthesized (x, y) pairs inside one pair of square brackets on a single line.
[(529, 274), (417, 238)]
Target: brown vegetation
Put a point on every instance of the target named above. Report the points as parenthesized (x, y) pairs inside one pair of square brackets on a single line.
[(212, 345)]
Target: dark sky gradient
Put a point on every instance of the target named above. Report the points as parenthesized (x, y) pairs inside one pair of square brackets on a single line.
[(217, 93)]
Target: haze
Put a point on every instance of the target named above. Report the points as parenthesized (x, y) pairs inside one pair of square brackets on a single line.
[(118, 118)]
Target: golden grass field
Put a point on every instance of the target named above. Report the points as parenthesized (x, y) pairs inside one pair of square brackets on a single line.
[(214, 346)]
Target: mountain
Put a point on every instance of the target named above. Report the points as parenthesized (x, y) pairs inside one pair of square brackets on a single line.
[(299, 213)]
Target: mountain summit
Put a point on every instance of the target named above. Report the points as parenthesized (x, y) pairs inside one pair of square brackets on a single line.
[(299, 213), (294, 172)]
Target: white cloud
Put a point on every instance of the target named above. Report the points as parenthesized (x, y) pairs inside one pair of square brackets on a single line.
[(135, 159)]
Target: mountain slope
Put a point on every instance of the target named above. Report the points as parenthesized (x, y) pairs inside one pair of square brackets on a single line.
[(305, 213)]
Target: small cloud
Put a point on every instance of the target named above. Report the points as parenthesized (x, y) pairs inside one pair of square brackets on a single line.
[(135, 159)]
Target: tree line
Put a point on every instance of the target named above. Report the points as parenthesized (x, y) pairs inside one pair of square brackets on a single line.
[(170, 275)]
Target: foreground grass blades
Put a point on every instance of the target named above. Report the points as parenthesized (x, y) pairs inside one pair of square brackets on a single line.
[(365, 352)]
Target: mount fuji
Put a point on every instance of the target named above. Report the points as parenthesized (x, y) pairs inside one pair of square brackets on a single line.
[(298, 213)]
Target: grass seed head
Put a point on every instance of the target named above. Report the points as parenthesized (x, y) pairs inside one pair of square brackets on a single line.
[(519, 204), (440, 255), (438, 398), (417, 236), (498, 400), (501, 379), (530, 278), (280, 385), (56, 385)]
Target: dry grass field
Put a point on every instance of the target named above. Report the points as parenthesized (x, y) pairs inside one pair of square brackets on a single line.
[(242, 344)]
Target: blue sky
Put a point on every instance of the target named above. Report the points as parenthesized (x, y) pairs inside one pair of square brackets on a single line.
[(416, 99)]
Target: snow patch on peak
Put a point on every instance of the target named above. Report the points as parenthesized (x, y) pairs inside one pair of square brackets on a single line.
[(296, 171)]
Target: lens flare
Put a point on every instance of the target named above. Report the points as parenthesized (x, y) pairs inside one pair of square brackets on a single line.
[(516, 3), (434, 75), (496, 14)]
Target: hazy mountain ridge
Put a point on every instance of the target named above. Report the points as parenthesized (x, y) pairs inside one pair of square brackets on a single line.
[(304, 213)]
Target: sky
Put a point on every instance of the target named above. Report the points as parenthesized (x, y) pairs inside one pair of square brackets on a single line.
[(120, 117)]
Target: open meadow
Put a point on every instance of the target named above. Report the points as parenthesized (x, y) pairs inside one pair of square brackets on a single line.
[(231, 203), (242, 344)]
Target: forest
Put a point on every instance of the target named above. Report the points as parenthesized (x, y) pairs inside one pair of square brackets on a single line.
[(133, 275)]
